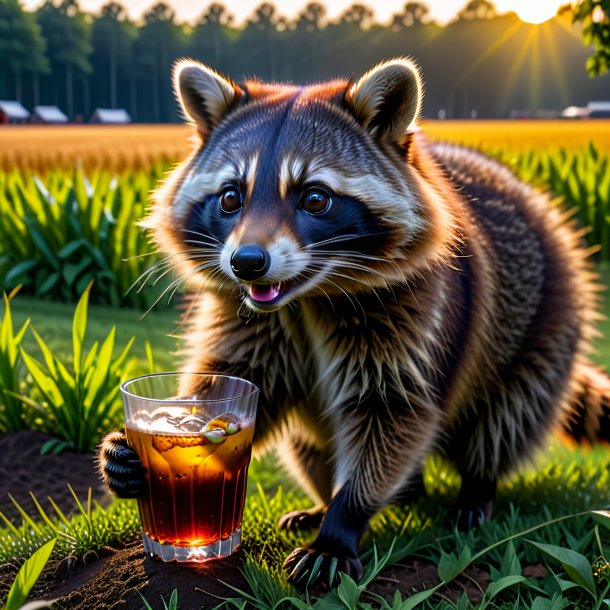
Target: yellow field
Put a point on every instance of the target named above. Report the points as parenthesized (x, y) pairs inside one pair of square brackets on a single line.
[(136, 146), (113, 147)]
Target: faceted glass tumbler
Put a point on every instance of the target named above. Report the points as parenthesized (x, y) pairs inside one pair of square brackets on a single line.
[(195, 449)]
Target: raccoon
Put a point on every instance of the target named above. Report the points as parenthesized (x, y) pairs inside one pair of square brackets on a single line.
[(390, 297)]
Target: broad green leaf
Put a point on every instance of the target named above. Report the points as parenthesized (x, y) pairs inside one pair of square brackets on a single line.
[(577, 566), (71, 247), (102, 366), (79, 325), (20, 270), (48, 355), (49, 283), (71, 271), (511, 565), (28, 575), (331, 601), (414, 600), (449, 566), (348, 590), (44, 381), (495, 588)]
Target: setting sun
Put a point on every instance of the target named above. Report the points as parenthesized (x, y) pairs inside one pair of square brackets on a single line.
[(532, 11)]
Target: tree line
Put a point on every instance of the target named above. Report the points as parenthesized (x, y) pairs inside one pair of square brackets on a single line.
[(481, 63)]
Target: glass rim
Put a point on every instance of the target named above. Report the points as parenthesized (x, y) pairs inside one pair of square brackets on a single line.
[(192, 401)]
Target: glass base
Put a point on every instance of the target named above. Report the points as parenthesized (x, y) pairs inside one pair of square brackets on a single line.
[(192, 554)]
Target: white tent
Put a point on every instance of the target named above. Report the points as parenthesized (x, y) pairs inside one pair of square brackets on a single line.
[(110, 115), (12, 112), (48, 114)]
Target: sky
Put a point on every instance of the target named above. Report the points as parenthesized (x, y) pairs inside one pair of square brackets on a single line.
[(441, 10)]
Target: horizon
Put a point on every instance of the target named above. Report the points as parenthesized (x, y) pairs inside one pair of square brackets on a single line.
[(441, 11)]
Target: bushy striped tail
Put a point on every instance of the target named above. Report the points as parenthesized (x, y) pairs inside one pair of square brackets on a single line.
[(588, 417)]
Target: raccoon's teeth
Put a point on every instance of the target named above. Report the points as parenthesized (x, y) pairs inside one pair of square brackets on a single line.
[(263, 293)]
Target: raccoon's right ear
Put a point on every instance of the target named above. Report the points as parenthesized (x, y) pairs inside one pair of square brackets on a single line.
[(387, 99), (205, 96)]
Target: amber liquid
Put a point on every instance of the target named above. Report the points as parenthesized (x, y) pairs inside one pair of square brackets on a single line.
[(196, 489)]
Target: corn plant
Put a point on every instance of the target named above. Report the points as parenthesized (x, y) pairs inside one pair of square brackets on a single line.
[(581, 178), (11, 407), (57, 237), (81, 404)]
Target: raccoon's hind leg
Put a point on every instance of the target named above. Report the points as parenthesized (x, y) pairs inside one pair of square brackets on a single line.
[(310, 466)]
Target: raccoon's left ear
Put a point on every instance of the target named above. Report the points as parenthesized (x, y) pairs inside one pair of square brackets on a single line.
[(387, 99), (205, 96)]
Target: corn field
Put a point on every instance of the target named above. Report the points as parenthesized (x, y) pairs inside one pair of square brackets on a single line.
[(62, 228), (60, 233)]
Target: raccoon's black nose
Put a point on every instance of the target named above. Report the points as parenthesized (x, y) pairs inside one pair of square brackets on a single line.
[(250, 262)]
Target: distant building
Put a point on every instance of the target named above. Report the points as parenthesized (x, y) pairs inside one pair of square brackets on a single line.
[(593, 110), (110, 116), (48, 115), (599, 110), (12, 113)]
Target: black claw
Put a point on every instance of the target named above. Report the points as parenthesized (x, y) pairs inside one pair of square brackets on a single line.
[(304, 519), (126, 454), (308, 566)]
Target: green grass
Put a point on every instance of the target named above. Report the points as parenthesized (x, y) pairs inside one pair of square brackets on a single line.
[(562, 482), (54, 323)]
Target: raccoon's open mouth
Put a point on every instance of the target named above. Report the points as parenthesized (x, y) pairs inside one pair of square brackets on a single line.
[(268, 296)]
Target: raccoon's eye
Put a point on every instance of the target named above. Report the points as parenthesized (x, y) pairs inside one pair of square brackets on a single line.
[(230, 199), (316, 201)]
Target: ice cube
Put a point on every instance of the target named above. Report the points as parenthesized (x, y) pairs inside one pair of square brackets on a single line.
[(190, 423), (141, 419), (166, 419)]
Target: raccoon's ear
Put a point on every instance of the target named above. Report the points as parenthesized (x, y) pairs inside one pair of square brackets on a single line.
[(205, 96), (387, 99)]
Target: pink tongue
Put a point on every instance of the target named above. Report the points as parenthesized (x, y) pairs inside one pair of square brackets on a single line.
[(264, 292)]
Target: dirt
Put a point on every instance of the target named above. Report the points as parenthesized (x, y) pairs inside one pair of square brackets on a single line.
[(23, 469), (117, 578)]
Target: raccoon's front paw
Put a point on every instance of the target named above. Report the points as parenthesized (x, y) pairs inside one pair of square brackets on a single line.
[(308, 565), (474, 504), (120, 467), (302, 519)]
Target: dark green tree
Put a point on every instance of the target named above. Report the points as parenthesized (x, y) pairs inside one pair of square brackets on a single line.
[(478, 9), (413, 13), (22, 47), (68, 36), (307, 39), (112, 36), (262, 27), (159, 44), (358, 15), (594, 15), (211, 35)]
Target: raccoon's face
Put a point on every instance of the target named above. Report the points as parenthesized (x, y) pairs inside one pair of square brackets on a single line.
[(295, 191)]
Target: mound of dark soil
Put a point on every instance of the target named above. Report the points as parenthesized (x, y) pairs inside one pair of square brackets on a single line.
[(118, 578), (23, 469)]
